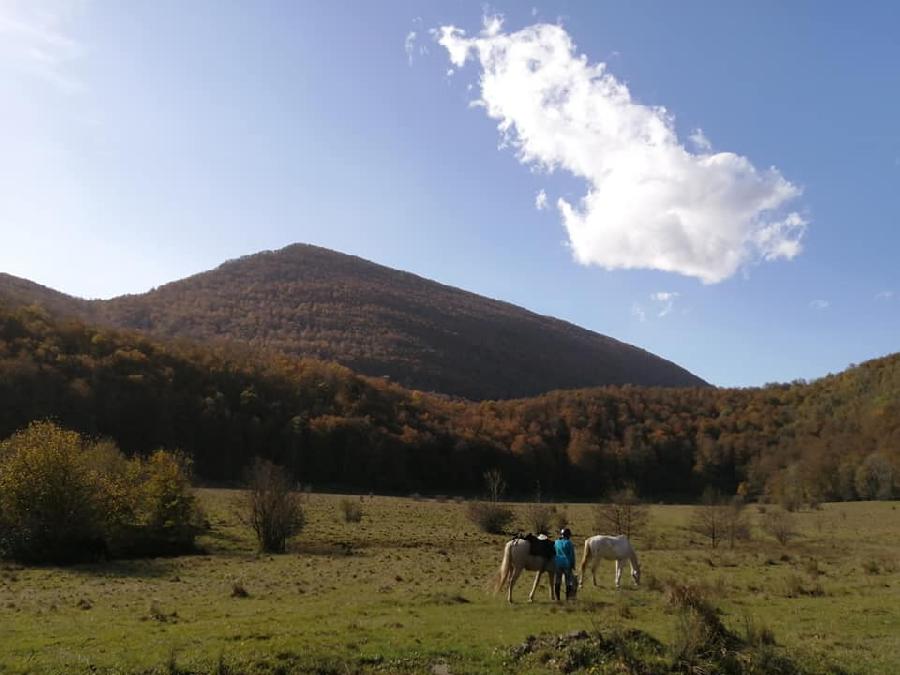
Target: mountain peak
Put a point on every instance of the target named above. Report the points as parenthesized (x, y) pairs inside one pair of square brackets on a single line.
[(311, 301)]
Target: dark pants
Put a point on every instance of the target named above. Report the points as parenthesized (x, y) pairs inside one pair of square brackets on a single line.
[(570, 582)]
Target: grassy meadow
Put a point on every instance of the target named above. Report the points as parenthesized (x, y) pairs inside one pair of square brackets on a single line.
[(407, 589)]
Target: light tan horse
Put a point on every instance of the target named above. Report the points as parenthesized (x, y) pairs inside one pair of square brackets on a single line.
[(517, 557), (606, 547)]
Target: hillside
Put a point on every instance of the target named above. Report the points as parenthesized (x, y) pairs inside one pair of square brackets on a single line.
[(835, 438), (313, 302)]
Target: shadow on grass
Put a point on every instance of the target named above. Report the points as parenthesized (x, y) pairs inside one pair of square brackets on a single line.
[(327, 548), (227, 542), (150, 568)]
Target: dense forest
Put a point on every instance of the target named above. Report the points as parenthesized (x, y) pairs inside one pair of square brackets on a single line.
[(835, 438), (312, 302)]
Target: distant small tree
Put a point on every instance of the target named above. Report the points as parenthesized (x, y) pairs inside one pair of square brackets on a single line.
[(490, 515), (352, 510), (495, 485), (540, 518), (736, 526), (779, 524), (624, 514), (709, 518), (271, 509)]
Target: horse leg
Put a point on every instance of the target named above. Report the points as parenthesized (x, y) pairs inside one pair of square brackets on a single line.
[(618, 572), (534, 586), (594, 573), (512, 580)]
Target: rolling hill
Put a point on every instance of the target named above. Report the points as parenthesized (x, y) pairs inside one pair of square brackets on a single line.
[(308, 301)]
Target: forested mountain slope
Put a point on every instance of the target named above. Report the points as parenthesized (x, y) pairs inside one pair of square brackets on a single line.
[(333, 427), (313, 302)]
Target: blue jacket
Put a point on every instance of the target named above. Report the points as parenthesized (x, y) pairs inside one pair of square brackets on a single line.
[(565, 554)]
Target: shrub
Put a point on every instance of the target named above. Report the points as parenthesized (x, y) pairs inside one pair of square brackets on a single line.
[(48, 506), (559, 519), (489, 516), (272, 509), (352, 510), (874, 478), (709, 518), (756, 634), (540, 518), (779, 524), (687, 596), (624, 514), (163, 511), (64, 498)]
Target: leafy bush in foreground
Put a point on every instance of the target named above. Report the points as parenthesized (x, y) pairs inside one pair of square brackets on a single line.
[(65, 498)]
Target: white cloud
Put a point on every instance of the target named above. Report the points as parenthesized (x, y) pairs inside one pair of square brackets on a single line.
[(651, 203), (820, 304), (666, 301), (700, 141), (885, 295), (34, 39), (409, 46), (540, 200), (638, 311), (493, 24)]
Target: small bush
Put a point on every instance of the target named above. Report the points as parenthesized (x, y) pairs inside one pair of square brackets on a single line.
[(871, 567), (681, 596), (811, 567), (624, 514), (271, 508), (793, 586), (780, 525), (351, 510), (540, 518), (490, 517), (757, 635)]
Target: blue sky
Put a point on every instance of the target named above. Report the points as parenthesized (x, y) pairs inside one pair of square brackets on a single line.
[(143, 142)]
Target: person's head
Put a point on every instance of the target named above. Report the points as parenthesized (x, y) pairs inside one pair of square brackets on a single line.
[(565, 533)]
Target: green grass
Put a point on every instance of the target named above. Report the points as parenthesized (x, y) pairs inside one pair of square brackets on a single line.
[(408, 588)]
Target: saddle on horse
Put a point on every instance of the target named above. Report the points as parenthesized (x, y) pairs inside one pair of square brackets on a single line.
[(540, 547)]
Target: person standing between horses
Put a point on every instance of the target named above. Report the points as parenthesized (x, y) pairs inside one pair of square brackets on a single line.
[(565, 561)]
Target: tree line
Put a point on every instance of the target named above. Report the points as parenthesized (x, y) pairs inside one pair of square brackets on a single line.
[(222, 405)]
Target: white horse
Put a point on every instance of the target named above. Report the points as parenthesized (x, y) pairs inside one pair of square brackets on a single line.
[(516, 558), (605, 547)]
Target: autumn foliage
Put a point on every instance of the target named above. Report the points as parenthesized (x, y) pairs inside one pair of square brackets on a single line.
[(799, 443), (66, 498)]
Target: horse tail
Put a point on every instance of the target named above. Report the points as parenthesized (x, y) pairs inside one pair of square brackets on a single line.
[(505, 569), (586, 556)]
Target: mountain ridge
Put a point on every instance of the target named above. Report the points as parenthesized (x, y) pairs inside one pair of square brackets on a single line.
[(310, 301)]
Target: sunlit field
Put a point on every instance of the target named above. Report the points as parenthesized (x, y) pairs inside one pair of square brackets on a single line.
[(408, 589)]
